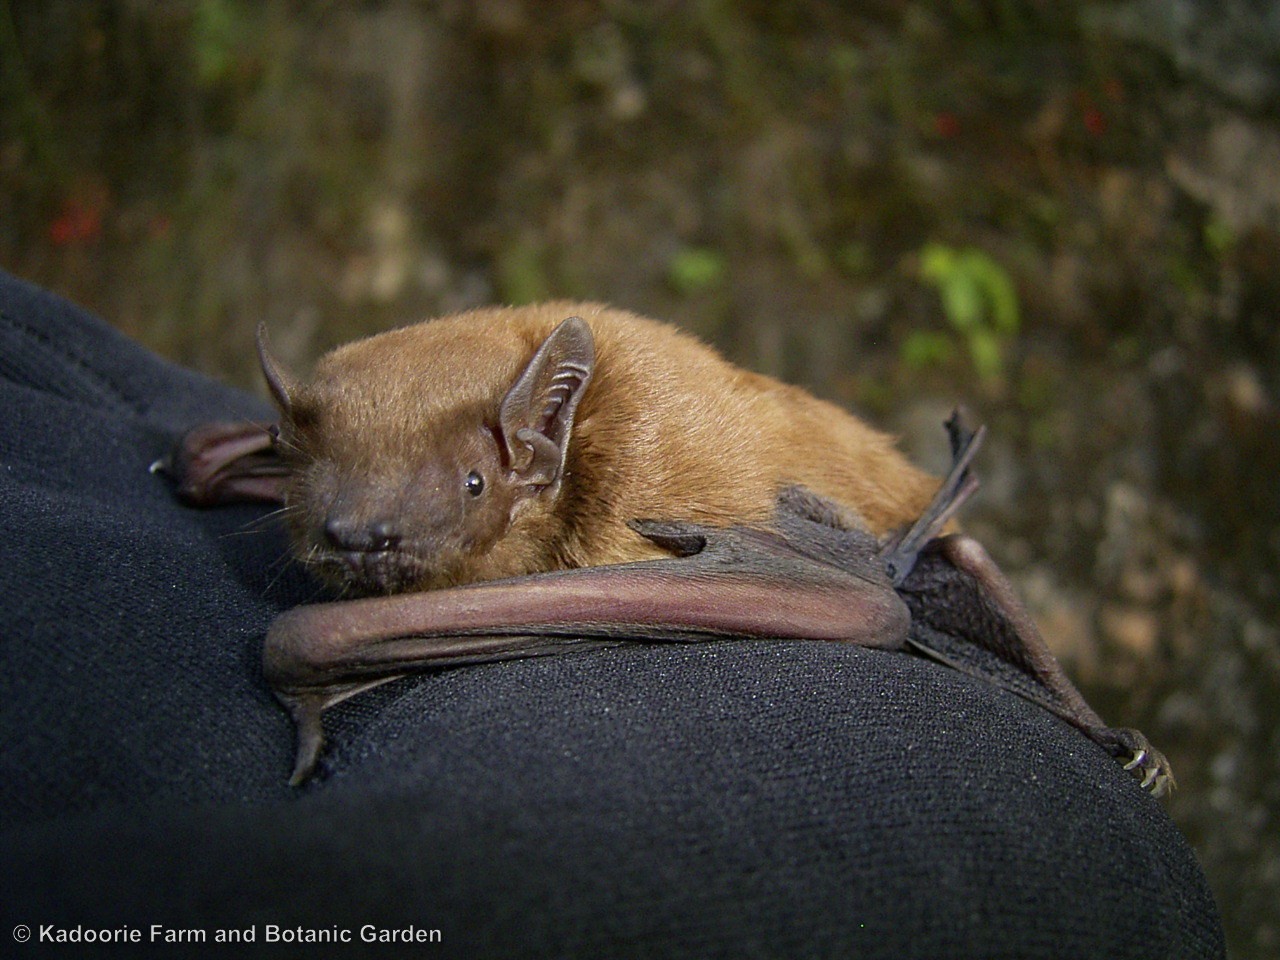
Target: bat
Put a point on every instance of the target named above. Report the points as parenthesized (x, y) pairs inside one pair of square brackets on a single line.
[(808, 574)]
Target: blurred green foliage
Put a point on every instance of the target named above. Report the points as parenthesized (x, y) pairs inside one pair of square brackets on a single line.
[(694, 270), (1219, 238), (979, 302), (522, 275), (216, 32)]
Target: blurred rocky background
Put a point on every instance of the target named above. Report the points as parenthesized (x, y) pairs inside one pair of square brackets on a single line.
[(1063, 214)]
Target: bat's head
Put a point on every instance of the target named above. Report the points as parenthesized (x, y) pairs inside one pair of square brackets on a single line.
[(433, 455)]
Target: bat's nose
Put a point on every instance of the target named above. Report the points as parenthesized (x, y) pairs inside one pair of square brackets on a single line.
[(359, 536)]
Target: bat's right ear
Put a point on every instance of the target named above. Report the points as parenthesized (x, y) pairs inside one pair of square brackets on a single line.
[(281, 383), (537, 414)]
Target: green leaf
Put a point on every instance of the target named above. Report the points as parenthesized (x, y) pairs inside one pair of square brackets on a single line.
[(937, 262), (924, 348), (987, 354), (696, 269), (215, 32), (1003, 299), (522, 274), (1219, 238), (962, 301), (978, 299)]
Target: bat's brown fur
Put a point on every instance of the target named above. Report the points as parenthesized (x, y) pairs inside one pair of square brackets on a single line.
[(666, 429)]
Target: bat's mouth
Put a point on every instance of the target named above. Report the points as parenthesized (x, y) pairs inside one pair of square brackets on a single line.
[(371, 572)]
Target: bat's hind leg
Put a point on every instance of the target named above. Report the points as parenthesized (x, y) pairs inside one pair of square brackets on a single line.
[(1139, 756), (1023, 645)]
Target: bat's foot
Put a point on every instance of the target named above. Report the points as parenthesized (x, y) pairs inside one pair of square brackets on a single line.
[(1141, 759)]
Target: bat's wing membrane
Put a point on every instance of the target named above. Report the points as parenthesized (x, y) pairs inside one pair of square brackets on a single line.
[(811, 577)]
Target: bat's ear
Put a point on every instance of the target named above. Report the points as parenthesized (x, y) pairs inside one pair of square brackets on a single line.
[(281, 383), (536, 416)]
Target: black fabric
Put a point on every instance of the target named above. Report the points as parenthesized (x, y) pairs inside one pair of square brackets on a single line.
[(726, 800)]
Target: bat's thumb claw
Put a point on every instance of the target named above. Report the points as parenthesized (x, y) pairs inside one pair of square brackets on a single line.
[(682, 539), (802, 503), (304, 765), (305, 711)]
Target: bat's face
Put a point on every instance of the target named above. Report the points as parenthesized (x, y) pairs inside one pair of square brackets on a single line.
[(379, 502), (430, 456)]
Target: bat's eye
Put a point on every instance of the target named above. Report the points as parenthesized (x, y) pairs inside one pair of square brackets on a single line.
[(474, 484)]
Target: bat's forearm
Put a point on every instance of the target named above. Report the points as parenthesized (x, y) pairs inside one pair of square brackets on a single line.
[(738, 583), (716, 593)]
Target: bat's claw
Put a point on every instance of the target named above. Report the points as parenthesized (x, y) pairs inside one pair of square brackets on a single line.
[(802, 503), (1142, 760), (305, 710), (682, 539), (1138, 759)]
